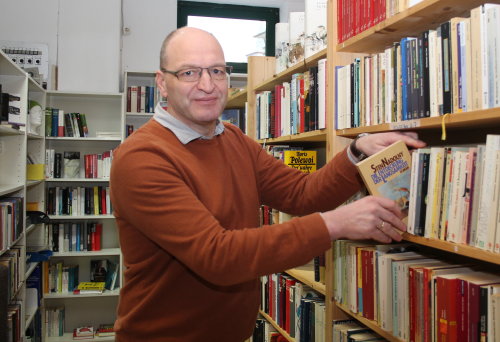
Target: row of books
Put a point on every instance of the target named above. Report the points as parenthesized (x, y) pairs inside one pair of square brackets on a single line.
[(11, 260), (11, 220), (68, 164), (54, 321), (295, 307), (89, 331), (416, 297), (141, 99), (15, 318), (293, 107), (65, 278), (355, 17), (451, 69), (61, 124), (454, 194), (302, 36), (236, 116), (265, 332), (73, 201), (349, 330), (75, 236)]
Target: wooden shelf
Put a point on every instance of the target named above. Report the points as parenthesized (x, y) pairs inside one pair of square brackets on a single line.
[(79, 180), (276, 326), (423, 16), (237, 100), (479, 118), (371, 324), (106, 293), (306, 276), (464, 250), (287, 74), (313, 136)]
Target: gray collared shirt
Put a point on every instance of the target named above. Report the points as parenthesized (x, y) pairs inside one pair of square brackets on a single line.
[(183, 132)]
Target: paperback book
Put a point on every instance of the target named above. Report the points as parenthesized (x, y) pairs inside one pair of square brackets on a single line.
[(387, 173)]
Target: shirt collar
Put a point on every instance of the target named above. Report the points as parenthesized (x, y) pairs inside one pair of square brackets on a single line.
[(183, 132)]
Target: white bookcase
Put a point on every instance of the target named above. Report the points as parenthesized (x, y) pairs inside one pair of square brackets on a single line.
[(103, 114), (15, 145)]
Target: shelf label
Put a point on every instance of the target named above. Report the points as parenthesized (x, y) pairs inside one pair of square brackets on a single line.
[(405, 124)]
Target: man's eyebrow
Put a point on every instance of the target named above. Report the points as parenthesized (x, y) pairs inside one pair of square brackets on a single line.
[(188, 66)]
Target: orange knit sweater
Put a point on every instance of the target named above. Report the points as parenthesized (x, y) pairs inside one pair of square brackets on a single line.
[(188, 220)]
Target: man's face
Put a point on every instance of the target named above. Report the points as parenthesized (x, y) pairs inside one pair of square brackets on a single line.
[(197, 104)]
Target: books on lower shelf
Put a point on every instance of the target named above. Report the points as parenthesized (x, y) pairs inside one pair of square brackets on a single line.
[(90, 287)]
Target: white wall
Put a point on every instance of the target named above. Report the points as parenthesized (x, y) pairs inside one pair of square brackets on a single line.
[(31, 21)]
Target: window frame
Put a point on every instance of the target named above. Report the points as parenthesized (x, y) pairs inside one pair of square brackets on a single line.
[(207, 9)]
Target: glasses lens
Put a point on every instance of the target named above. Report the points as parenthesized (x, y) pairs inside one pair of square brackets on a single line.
[(219, 72), (189, 75)]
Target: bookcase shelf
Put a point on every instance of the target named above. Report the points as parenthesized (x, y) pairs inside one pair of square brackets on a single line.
[(9, 188), (103, 252), (306, 276), (478, 118), (424, 15), (312, 136), (82, 139), (81, 217), (276, 326), (106, 293), (78, 180), (68, 337), (285, 75), (371, 324), (237, 100)]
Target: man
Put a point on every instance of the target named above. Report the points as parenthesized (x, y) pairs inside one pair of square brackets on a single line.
[(186, 191)]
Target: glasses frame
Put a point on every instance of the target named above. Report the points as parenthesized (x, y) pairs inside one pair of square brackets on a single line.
[(229, 69)]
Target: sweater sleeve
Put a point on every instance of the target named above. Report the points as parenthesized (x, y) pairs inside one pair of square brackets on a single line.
[(294, 192)]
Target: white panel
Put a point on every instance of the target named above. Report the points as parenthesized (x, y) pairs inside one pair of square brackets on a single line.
[(146, 23), (89, 45)]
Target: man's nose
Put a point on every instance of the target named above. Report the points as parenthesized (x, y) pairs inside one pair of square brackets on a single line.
[(205, 82)]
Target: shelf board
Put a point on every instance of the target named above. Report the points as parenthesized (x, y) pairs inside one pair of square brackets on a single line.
[(30, 315), (9, 188), (464, 250), (81, 217), (139, 114), (68, 337), (58, 93), (285, 75), (30, 183), (306, 276), (237, 100), (106, 293), (31, 268), (370, 324), (276, 326), (102, 252), (8, 130), (79, 180), (424, 15), (33, 136), (83, 138), (313, 136), (478, 118)]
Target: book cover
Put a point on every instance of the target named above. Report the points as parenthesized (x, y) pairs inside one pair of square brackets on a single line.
[(82, 333), (387, 173), (71, 164), (304, 161)]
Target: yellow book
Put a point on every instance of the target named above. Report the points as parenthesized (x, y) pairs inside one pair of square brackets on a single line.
[(90, 287), (387, 173), (305, 161)]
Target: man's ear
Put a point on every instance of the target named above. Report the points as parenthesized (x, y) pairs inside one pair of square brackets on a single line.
[(161, 83)]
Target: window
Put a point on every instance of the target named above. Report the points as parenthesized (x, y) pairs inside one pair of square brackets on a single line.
[(251, 33)]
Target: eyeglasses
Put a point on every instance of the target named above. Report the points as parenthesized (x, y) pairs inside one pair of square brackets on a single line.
[(217, 73)]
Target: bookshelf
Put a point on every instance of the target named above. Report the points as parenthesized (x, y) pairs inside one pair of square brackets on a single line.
[(104, 116), (458, 128), (131, 116), (16, 145)]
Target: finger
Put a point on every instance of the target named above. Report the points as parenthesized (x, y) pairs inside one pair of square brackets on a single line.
[(380, 236), (392, 207), (391, 231)]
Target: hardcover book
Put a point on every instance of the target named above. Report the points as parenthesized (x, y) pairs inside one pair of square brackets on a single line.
[(387, 173)]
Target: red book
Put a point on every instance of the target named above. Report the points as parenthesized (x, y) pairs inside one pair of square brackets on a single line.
[(302, 114), (97, 237), (289, 282), (367, 283), (446, 302), (128, 98), (277, 110)]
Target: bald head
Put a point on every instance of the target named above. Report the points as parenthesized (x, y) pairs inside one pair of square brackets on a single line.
[(186, 34)]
